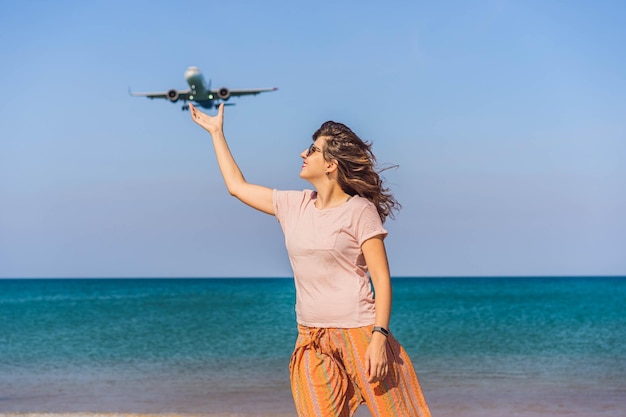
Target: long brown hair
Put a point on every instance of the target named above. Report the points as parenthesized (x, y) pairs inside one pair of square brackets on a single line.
[(357, 171)]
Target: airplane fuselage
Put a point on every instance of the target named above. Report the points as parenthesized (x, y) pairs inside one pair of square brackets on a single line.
[(200, 91)]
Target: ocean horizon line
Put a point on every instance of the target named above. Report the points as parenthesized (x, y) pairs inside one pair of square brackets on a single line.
[(261, 277)]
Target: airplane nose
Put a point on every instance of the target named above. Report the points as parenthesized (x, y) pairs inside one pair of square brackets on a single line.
[(191, 71)]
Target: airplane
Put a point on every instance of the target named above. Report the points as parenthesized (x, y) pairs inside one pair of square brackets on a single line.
[(200, 92)]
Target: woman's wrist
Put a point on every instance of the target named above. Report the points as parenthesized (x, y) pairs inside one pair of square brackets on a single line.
[(378, 339), (381, 330)]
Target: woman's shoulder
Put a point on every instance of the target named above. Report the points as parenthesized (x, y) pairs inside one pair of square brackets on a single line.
[(294, 192), (362, 202), (364, 208), (303, 193), (294, 196)]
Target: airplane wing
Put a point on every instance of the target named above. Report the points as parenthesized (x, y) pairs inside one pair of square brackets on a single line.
[(248, 92), (171, 95)]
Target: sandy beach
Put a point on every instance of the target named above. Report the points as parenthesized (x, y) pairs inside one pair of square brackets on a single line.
[(475, 410), (598, 403), (150, 415), (138, 415)]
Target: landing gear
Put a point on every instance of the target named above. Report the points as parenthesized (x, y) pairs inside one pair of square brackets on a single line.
[(185, 107)]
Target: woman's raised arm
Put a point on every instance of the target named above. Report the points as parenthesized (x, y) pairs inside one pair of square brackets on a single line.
[(256, 196)]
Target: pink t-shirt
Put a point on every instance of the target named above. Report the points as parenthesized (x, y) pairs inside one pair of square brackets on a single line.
[(324, 247)]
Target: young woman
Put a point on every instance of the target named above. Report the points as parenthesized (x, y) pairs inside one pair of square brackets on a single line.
[(344, 355)]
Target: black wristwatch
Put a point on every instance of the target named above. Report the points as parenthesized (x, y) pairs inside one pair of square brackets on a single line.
[(380, 329)]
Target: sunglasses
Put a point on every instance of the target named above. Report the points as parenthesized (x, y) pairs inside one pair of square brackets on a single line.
[(312, 149)]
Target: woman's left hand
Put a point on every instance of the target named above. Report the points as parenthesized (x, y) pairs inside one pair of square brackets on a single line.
[(376, 358)]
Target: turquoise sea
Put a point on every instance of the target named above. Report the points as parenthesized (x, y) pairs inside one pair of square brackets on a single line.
[(481, 346)]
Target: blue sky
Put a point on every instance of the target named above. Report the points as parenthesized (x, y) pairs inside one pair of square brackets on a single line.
[(507, 119)]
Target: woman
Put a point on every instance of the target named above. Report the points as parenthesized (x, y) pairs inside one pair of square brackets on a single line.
[(344, 354)]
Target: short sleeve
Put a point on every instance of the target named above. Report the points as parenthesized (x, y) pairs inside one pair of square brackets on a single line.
[(278, 203), (369, 224), (286, 201)]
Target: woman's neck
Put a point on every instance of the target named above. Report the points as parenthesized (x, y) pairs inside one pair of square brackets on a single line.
[(331, 197)]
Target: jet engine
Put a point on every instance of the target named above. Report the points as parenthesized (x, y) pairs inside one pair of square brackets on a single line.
[(223, 93), (172, 95)]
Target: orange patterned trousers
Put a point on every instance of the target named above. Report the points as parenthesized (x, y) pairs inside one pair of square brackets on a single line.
[(328, 376)]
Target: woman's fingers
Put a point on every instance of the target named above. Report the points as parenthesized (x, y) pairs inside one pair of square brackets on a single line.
[(194, 112), (377, 370), (198, 116)]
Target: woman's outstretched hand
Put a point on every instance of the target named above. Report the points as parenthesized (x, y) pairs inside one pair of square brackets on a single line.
[(212, 124)]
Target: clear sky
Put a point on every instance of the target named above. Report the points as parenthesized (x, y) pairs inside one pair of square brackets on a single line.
[(507, 120)]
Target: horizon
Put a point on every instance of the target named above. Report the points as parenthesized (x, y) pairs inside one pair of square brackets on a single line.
[(291, 278)]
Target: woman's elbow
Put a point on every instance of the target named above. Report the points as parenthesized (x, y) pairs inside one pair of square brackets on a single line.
[(235, 190)]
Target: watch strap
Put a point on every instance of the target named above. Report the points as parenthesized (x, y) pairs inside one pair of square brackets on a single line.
[(380, 329)]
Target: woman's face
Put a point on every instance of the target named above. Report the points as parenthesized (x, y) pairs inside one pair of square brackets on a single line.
[(313, 163)]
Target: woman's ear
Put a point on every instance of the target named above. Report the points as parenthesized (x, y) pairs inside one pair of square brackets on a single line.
[(331, 166)]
